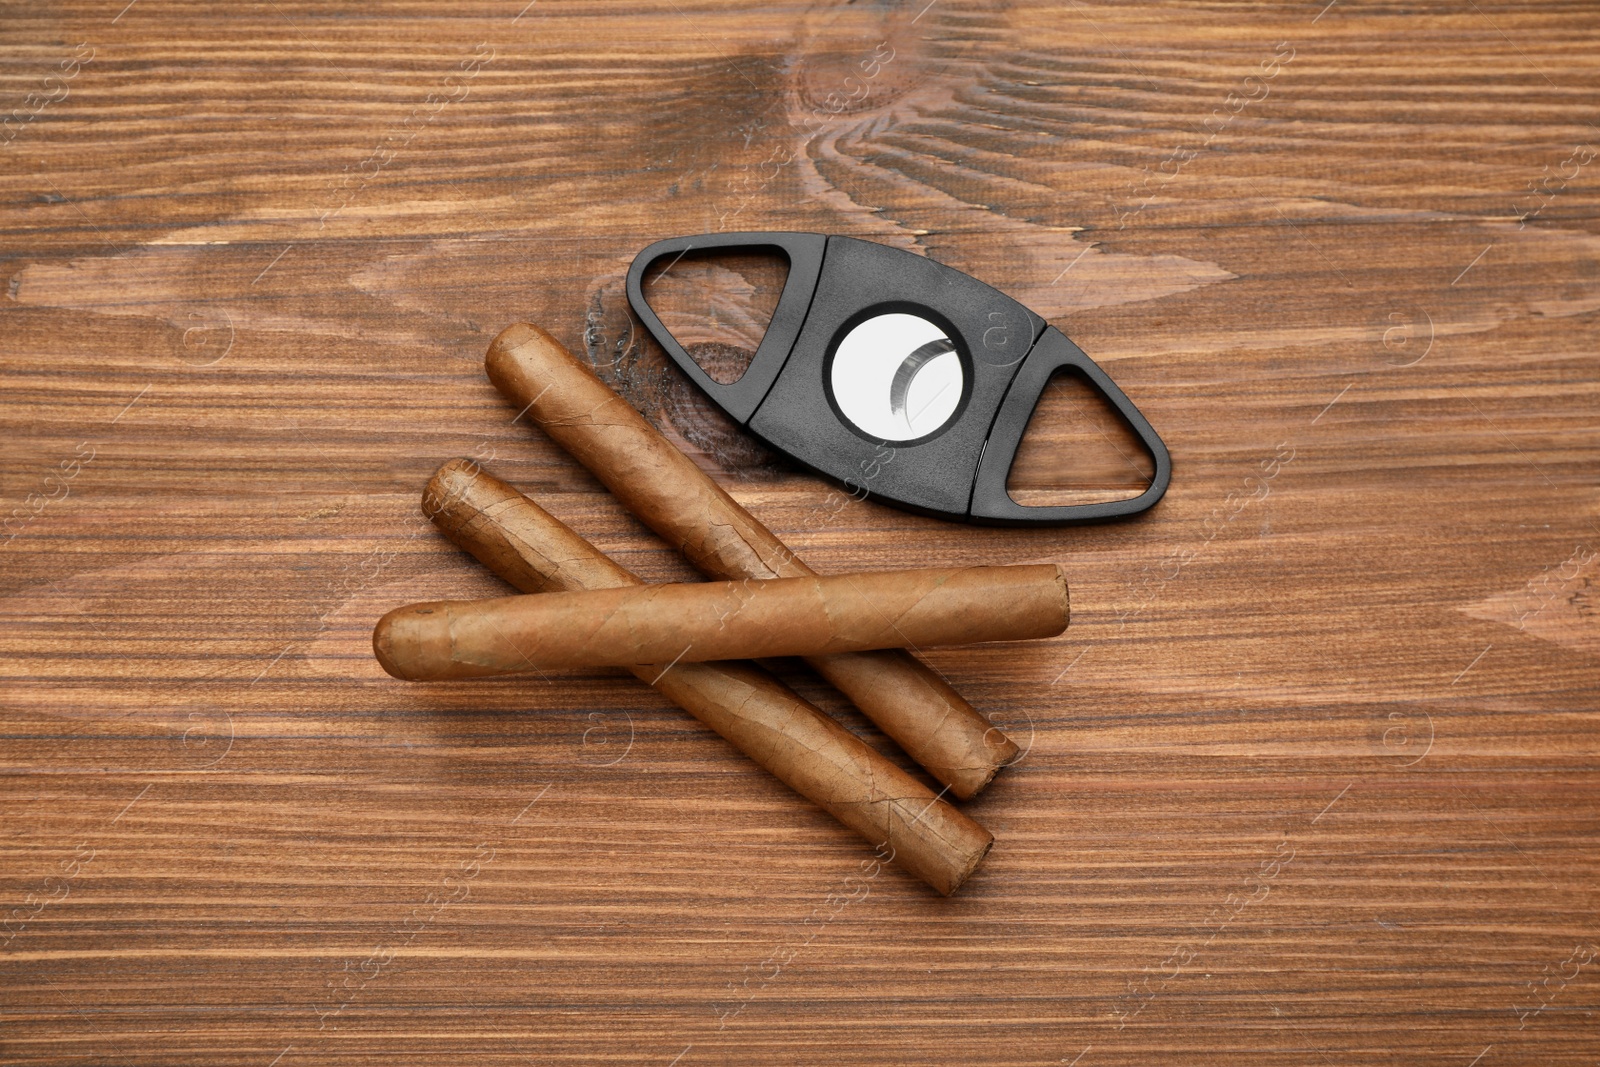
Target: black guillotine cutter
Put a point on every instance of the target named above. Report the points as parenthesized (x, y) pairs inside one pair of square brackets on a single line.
[(879, 361)]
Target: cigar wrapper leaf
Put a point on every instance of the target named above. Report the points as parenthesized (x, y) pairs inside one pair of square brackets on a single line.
[(697, 622), (664, 488), (757, 714)]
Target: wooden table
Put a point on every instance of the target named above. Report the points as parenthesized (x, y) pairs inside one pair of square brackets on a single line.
[(1310, 779)]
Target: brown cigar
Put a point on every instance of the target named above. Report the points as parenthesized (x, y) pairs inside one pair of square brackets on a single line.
[(757, 714), (672, 496), (700, 621)]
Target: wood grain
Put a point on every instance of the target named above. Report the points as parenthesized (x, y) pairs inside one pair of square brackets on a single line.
[(1312, 777)]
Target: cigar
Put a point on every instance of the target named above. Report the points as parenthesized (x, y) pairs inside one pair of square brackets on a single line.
[(756, 713), (700, 621), (664, 488)]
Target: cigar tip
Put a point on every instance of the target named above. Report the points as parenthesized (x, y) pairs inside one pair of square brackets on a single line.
[(449, 483), (450, 467), (1066, 597), (1002, 753), (401, 642), (383, 644), (502, 354), (972, 864)]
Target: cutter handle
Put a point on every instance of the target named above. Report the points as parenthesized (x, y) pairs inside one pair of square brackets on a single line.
[(990, 501)]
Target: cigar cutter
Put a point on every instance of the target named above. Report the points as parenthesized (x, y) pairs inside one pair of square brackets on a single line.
[(902, 378)]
